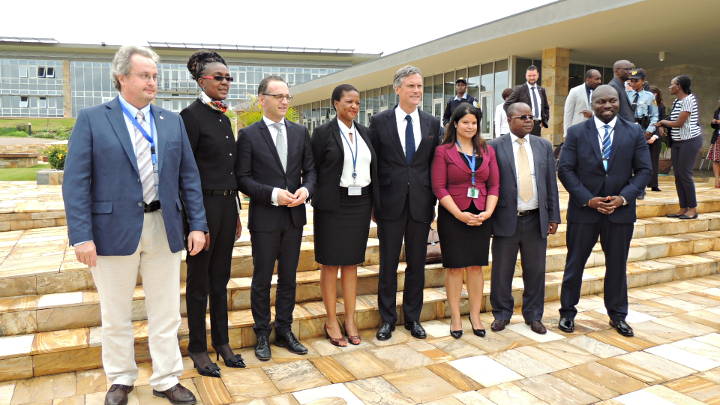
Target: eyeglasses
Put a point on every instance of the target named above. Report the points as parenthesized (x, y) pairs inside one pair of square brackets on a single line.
[(523, 117), (218, 78), (280, 97), (145, 76)]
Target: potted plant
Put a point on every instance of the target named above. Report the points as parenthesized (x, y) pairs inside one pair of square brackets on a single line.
[(56, 157)]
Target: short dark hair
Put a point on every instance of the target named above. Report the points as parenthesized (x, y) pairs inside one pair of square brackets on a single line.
[(451, 132), (506, 93), (338, 92), (684, 82), (262, 87), (590, 72), (531, 67), (197, 62)]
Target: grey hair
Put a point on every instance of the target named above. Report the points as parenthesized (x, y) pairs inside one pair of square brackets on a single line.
[(121, 60), (404, 72)]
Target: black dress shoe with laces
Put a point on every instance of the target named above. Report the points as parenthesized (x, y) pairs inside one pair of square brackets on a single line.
[(290, 342), (262, 348), (118, 394), (385, 331), (499, 324), (566, 325), (537, 327), (416, 330), (177, 395), (622, 328)]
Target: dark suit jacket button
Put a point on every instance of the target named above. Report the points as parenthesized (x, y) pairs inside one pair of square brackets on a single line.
[(139, 204)]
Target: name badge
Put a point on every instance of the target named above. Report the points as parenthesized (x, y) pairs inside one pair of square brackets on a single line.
[(473, 192), (354, 190)]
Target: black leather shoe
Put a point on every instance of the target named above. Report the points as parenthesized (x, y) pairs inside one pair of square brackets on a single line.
[(622, 327), (566, 325), (230, 359), (683, 216), (655, 189), (537, 327), (262, 348), (416, 330), (499, 324), (118, 394), (477, 332), (290, 342), (203, 365), (177, 395), (385, 331), (673, 215)]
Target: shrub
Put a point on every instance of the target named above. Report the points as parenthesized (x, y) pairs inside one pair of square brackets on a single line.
[(12, 132), (56, 156)]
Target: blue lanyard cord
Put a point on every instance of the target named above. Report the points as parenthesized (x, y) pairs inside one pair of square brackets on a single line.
[(353, 154), (471, 162), (150, 138)]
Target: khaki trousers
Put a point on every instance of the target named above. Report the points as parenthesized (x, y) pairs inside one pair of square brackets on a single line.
[(115, 279)]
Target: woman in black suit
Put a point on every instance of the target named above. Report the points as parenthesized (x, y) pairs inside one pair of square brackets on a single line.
[(346, 185), (213, 144)]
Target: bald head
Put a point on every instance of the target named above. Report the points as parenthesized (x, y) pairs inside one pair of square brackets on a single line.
[(605, 103), (603, 91), (515, 108), (622, 68)]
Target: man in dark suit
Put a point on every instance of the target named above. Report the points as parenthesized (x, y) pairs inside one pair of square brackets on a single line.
[(129, 173), (461, 96), (275, 168), (604, 165), (621, 73), (533, 95), (404, 139), (527, 212)]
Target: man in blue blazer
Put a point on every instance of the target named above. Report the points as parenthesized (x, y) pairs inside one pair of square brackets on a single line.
[(604, 165), (129, 173)]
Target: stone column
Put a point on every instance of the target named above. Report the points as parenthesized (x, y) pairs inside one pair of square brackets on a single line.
[(67, 90), (555, 75)]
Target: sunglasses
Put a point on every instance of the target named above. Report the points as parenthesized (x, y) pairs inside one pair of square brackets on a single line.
[(524, 117), (219, 78)]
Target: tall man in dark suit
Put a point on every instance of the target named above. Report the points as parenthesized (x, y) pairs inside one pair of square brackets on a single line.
[(404, 139), (621, 73), (128, 174), (275, 168), (604, 165), (533, 95), (527, 212)]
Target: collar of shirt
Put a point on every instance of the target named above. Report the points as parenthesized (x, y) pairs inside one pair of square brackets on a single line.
[(270, 123), (599, 124), (134, 110), (344, 128), (400, 115), (530, 86), (464, 97)]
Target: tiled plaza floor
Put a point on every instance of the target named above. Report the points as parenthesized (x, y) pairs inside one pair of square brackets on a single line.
[(673, 359)]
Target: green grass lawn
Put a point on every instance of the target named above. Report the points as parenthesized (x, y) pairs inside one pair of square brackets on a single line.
[(38, 124), (22, 174)]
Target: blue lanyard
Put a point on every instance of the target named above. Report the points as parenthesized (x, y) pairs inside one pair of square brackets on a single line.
[(353, 154), (150, 138), (471, 162)]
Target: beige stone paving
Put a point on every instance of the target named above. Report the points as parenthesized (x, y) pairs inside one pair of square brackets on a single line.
[(672, 359)]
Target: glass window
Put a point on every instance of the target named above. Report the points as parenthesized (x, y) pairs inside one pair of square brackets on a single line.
[(427, 94), (23, 101), (41, 72), (50, 72), (449, 84), (486, 79), (473, 78), (42, 103), (23, 71), (461, 73), (576, 75)]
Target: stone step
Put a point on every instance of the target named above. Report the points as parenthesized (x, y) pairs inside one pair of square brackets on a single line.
[(75, 349)]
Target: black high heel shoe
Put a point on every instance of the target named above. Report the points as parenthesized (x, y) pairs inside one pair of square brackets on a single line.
[(457, 334), (477, 332), (209, 370), (233, 361)]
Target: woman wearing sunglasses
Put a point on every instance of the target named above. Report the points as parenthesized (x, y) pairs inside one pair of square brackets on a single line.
[(208, 272)]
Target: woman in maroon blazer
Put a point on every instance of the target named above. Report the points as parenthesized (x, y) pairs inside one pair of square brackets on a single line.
[(465, 179)]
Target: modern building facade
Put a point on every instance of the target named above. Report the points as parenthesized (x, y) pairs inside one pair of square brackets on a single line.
[(563, 39), (40, 77)]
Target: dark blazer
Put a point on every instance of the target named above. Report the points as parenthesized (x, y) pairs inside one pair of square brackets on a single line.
[(102, 191), (521, 94), (398, 180), (259, 170), (452, 176), (626, 111), (329, 157), (505, 223), (581, 171), (452, 104)]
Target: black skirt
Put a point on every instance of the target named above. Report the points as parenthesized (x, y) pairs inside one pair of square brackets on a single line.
[(341, 235), (463, 245)]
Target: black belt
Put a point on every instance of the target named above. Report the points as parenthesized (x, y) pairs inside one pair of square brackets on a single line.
[(364, 191), (153, 206), (526, 213), (221, 193)]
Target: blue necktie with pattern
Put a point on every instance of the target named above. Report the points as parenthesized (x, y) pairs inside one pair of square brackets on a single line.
[(606, 146)]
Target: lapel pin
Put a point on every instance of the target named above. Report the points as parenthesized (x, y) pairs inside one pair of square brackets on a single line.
[(162, 118)]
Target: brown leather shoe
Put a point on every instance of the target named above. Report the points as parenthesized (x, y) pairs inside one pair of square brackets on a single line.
[(537, 327), (499, 324), (118, 394), (177, 395)]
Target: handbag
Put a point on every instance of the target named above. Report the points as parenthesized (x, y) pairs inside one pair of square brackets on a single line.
[(434, 254)]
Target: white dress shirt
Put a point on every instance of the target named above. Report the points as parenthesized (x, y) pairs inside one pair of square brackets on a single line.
[(533, 203), (402, 124), (601, 131), (273, 134), (148, 119), (362, 166), (538, 99), (501, 125)]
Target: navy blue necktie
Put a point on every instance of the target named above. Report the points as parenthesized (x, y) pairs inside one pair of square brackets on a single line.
[(606, 146), (409, 140)]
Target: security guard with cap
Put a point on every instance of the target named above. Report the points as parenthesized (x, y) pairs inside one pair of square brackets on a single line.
[(645, 110), (461, 96)]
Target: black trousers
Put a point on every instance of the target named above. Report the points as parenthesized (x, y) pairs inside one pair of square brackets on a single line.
[(208, 273), (683, 155), (268, 248), (532, 246), (615, 242), (655, 148), (391, 234)]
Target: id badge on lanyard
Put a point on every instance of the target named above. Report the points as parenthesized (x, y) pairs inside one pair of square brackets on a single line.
[(353, 190), (472, 192), (148, 137)]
